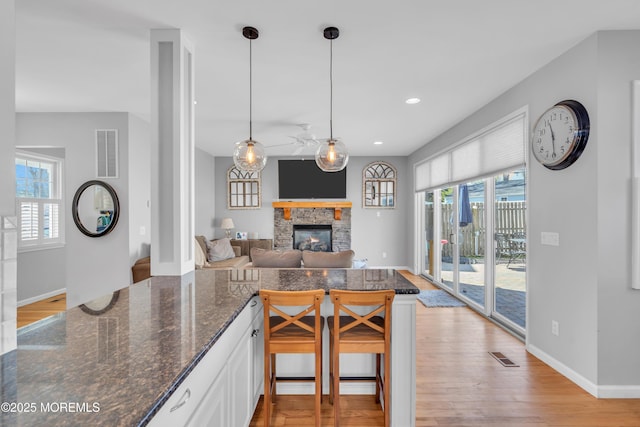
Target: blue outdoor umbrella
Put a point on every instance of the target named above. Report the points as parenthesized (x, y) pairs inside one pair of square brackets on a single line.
[(464, 207)]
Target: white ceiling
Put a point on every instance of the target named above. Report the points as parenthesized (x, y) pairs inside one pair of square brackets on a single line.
[(457, 55)]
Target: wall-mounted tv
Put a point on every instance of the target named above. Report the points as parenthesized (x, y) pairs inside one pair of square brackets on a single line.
[(303, 179)]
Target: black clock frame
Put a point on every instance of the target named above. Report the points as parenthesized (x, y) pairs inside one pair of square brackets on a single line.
[(582, 134)]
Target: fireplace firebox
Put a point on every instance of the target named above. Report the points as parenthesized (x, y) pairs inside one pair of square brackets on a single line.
[(312, 237)]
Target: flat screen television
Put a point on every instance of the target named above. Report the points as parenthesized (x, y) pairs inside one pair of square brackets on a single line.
[(303, 179)]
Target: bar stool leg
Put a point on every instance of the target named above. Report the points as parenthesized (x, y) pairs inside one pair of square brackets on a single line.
[(318, 397), (273, 390), (387, 389), (378, 378), (267, 389), (336, 387), (331, 371)]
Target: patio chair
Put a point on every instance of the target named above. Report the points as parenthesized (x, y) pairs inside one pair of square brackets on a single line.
[(511, 247)]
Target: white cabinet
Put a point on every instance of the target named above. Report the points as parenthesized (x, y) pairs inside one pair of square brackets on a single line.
[(221, 389)]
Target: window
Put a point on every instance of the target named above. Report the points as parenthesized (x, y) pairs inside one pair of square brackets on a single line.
[(244, 190), (379, 185), (39, 201)]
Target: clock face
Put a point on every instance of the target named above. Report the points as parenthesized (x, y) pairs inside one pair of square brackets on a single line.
[(560, 135)]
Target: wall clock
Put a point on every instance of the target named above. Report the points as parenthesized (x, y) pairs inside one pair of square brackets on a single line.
[(560, 135)]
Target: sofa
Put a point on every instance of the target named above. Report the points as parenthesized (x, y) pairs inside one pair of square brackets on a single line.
[(214, 254), (294, 258), (218, 254)]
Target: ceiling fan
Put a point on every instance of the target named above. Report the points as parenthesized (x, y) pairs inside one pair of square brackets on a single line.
[(302, 140)]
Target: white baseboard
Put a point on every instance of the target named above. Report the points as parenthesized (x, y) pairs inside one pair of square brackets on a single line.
[(41, 297), (599, 391), (619, 391)]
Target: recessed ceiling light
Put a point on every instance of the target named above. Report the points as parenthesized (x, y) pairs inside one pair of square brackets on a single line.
[(412, 100), (378, 142)]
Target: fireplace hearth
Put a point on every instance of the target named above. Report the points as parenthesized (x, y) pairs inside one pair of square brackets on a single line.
[(312, 237)]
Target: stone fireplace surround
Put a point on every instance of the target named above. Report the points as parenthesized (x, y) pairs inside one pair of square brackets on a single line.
[(336, 214)]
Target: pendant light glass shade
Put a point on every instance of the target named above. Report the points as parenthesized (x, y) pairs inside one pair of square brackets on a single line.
[(331, 155), (249, 154)]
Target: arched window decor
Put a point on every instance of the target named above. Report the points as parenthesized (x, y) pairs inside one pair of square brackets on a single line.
[(379, 181), (244, 190)]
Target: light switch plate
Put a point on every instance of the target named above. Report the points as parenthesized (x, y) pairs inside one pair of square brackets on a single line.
[(549, 238)]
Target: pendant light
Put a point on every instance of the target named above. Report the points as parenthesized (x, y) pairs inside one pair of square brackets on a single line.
[(249, 154), (332, 155)]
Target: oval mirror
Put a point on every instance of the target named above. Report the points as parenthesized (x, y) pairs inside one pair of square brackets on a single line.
[(100, 305), (95, 208)]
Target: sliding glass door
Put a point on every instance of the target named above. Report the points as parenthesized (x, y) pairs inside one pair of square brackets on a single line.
[(471, 241), (449, 252), (475, 236), (509, 298)]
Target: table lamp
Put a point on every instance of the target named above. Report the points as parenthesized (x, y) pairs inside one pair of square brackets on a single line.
[(227, 225)]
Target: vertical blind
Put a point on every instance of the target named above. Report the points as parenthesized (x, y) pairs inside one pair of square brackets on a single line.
[(497, 149)]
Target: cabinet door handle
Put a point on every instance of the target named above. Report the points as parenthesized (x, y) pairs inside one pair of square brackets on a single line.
[(255, 332), (254, 303), (182, 401)]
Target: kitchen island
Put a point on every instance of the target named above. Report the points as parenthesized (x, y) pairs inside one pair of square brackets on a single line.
[(131, 358)]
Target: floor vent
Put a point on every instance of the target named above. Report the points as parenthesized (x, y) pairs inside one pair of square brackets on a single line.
[(504, 360)]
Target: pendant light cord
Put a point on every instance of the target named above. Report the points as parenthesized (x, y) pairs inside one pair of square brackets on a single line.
[(331, 89), (250, 94)]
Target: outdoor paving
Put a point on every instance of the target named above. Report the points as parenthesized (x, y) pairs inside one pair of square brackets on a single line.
[(510, 288)]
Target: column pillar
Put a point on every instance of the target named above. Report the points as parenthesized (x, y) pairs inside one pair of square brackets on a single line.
[(172, 151)]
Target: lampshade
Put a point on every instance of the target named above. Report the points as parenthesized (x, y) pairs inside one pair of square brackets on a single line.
[(227, 224), (332, 155), (249, 156)]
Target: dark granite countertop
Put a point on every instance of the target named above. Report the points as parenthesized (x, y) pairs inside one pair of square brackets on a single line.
[(116, 365)]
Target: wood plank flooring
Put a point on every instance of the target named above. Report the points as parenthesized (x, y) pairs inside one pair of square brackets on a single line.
[(459, 384), (33, 312)]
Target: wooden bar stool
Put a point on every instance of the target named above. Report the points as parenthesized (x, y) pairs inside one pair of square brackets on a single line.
[(355, 333), (291, 333)]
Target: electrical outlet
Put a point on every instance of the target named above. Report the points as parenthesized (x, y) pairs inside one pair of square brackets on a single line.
[(384, 254), (555, 328)]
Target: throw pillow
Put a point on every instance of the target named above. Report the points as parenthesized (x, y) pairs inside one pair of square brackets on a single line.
[(342, 259), (220, 250), (276, 259), (199, 256), (202, 241)]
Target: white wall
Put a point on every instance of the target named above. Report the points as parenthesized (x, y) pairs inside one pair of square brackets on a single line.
[(7, 178), (618, 316), (584, 283), (139, 188), (94, 266), (7, 107), (371, 235), (205, 201)]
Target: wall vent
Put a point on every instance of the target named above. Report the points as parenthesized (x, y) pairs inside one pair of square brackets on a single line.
[(107, 153)]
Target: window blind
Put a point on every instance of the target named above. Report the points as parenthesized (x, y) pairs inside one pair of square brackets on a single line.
[(500, 147)]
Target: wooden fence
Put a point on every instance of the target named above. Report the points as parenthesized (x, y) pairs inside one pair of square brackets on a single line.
[(509, 220)]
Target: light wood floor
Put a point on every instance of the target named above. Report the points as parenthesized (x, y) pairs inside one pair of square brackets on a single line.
[(30, 313), (459, 384)]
